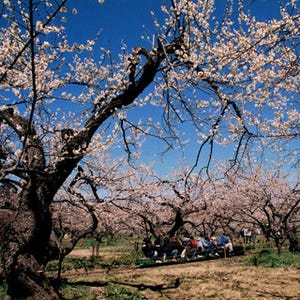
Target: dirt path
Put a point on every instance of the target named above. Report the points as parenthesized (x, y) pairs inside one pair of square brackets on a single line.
[(88, 252)]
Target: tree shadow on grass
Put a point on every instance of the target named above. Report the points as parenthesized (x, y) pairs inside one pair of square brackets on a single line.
[(139, 286)]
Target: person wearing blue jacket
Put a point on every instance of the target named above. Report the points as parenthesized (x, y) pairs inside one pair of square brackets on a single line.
[(223, 241)]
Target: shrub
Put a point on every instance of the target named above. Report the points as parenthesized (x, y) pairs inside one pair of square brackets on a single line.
[(271, 259)]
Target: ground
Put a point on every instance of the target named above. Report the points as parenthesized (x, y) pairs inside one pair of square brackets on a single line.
[(215, 279)]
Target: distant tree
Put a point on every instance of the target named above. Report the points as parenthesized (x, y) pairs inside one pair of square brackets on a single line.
[(262, 199), (234, 80)]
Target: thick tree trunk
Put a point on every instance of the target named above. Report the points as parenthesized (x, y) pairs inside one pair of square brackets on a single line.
[(293, 240), (25, 250), (26, 279)]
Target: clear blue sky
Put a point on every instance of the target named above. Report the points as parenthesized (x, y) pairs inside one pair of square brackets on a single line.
[(119, 20), (128, 20)]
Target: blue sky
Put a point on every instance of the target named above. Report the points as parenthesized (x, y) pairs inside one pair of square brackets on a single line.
[(128, 20), (119, 20)]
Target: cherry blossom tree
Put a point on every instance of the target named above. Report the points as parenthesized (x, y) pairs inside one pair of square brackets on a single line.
[(160, 206), (262, 199), (184, 202), (88, 195), (179, 203), (236, 80)]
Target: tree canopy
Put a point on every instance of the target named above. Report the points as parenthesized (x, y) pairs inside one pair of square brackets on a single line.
[(233, 80)]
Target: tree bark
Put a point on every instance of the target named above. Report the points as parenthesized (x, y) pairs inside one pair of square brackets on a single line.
[(25, 250), (293, 240)]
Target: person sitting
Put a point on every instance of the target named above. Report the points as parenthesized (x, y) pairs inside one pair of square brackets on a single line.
[(185, 240), (171, 247), (223, 241), (204, 245), (190, 247), (147, 247), (158, 243)]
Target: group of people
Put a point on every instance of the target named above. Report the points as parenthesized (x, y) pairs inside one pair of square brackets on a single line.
[(187, 247), (250, 235)]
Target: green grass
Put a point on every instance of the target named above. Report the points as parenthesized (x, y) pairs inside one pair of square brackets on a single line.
[(77, 292), (117, 292), (3, 288), (112, 292), (270, 259), (70, 264), (117, 240), (75, 264)]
